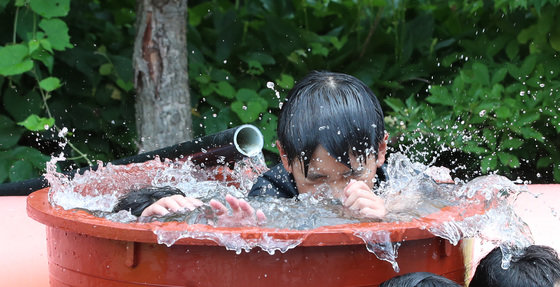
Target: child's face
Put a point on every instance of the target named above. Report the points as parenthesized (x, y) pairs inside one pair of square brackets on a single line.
[(326, 170)]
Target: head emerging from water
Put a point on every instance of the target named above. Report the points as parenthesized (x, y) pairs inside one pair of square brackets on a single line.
[(537, 266), (330, 131)]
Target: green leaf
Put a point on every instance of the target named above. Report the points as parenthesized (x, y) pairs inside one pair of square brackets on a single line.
[(21, 106), (268, 128), (105, 69), (35, 123), (255, 68), (319, 49), (246, 95), (50, 8), (21, 170), (544, 162), (123, 68), (247, 113), (503, 112), (44, 57), (499, 75), (57, 33), (49, 84), (508, 159), (46, 45), (33, 45), (225, 89), (526, 34), (527, 118), (528, 65), (511, 143), (555, 39), (286, 81), (198, 12), (3, 4), (514, 71), (440, 95), (530, 133), (9, 133), (481, 73), (395, 103), (339, 43), (219, 122), (31, 155), (490, 137), (488, 164), (13, 60), (262, 58), (127, 86), (450, 59), (471, 147), (512, 49)]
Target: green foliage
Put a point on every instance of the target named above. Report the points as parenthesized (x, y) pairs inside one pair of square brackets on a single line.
[(478, 79), (57, 70), (498, 101)]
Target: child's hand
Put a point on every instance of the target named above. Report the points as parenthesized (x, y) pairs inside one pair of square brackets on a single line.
[(360, 199), (172, 203), (242, 213)]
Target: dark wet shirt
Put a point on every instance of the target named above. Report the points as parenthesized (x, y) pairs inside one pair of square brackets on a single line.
[(278, 182)]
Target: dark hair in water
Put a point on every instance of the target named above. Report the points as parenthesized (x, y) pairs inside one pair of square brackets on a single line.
[(137, 200), (336, 111), (419, 279), (537, 266)]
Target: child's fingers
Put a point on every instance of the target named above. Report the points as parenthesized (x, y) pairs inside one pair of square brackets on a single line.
[(233, 203), (170, 203), (355, 185), (261, 218), (218, 207), (248, 211), (184, 202), (196, 202), (154, 209), (352, 198)]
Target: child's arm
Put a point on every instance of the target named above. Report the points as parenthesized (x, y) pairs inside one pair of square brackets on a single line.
[(360, 199)]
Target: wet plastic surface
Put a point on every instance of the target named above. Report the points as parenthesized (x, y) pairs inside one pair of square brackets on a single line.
[(86, 250)]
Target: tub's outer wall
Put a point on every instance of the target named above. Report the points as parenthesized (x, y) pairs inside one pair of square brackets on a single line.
[(83, 260)]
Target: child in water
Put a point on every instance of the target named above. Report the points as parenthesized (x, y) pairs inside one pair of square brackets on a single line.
[(330, 132)]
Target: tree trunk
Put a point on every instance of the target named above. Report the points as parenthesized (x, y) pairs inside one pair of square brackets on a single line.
[(163, 109)]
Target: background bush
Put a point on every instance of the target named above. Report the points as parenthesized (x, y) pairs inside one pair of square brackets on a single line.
[(468, 84)]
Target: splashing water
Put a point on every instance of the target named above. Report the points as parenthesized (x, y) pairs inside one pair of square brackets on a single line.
[(413, 193), (380, 244), (231, 241)]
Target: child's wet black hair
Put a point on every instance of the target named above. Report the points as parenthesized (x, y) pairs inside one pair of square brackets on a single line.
[(537, 266), (337, 111), (419, 279)]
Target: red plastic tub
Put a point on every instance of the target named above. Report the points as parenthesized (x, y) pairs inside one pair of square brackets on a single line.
[(84, 250)]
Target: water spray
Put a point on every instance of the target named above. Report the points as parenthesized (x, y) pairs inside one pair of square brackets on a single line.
[(221, 148)]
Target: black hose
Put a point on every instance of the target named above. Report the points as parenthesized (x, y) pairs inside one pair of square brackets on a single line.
[(217, 149)]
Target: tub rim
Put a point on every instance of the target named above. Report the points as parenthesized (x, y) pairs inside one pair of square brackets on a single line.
[(79, 221)]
